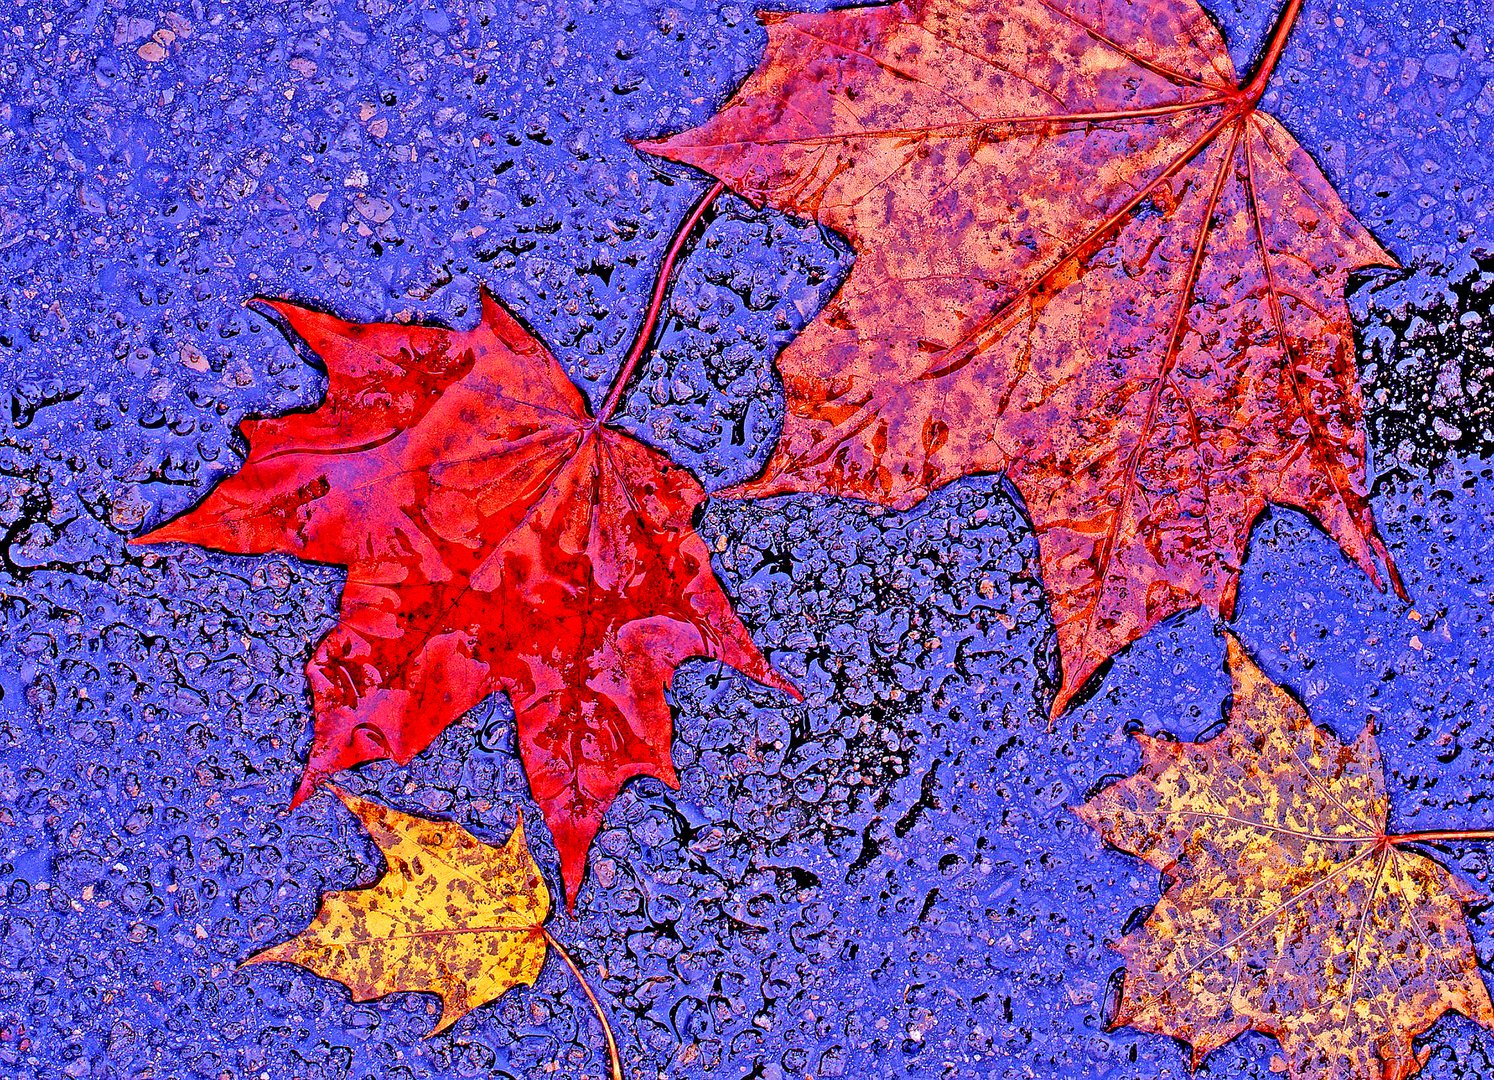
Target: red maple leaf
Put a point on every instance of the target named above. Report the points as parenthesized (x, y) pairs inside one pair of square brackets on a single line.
[(496, 536), (1085, 258)]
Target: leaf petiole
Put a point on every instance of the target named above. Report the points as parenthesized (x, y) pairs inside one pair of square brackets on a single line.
[(1439, 836), (1253, 90), (656, 303), (614, 1058)]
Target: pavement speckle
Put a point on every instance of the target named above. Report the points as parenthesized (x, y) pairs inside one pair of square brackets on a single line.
[(882, 881)]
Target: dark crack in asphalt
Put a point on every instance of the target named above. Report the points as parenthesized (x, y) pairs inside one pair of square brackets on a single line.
[(881, 881)]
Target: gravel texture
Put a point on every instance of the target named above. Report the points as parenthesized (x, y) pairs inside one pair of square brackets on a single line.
[(882, 881)]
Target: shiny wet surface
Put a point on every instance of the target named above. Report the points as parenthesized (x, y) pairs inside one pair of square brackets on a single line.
[(881, 881)]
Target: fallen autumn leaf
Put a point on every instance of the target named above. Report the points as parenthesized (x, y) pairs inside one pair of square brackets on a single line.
[(1290, 909), (1085, 258), (450, 915), (497, 536)]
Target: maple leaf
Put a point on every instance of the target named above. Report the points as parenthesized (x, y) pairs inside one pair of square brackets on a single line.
[(1085, 258), (450, 915), (497, 536), (1288, 909)]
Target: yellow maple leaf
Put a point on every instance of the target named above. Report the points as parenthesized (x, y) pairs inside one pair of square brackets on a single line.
[(451, 915), (1289, 908)]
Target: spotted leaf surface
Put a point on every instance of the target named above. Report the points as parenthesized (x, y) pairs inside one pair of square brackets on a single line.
[(451, 915), (1085, 258), (1288, 910)]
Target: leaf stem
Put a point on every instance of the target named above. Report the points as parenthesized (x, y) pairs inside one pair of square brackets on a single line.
[(661, 287), (613, 1057), (1253, 90), (1437, 836)]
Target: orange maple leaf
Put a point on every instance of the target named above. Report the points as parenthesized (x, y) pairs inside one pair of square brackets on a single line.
[(1085, 258), (1289, 909), (451, 915)]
